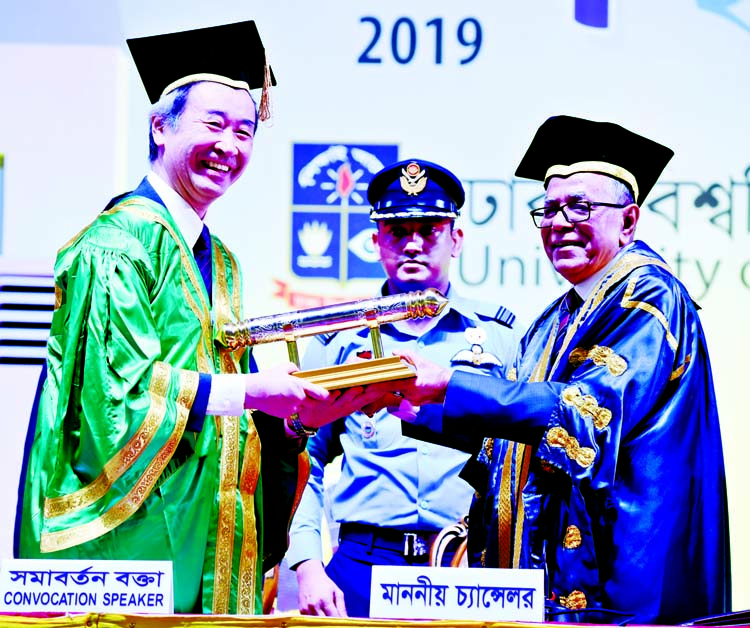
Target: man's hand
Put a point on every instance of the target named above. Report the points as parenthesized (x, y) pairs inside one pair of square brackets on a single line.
[(339, 404), (343, 403), (278, 393), (406, 396), (405, 410), (318, 594), (430, 384)]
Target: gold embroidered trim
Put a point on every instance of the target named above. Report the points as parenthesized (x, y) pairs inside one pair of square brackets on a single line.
[(236, 297), (114, 468), (222, 307), (122, 460), (626, 265), (680, 369), (230, 456), (600, 356), (597, 167), (187, 261), (249, 546), (505, 512), (542, 366), (58, 297), (248, 478), (205, 76), (123, 509), (236, 293), (576, 600), (512, 375), (523, 453), (559, 437), (572, 538), (523, 463), (489, 447), (587, 406), (627, 302), (228, 308), (226, 517), (236, 300)]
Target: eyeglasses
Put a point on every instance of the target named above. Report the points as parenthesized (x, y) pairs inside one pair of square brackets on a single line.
[(575, 211)]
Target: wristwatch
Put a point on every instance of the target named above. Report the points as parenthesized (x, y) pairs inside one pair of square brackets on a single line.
[(298, 428)]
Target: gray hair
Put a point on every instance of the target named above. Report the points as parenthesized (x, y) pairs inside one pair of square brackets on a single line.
[(621, 193), (168, 108)]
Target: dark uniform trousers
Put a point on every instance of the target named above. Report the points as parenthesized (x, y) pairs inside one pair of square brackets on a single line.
[(362, 546)]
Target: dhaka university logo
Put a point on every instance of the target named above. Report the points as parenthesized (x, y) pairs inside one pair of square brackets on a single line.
[(331, 227)]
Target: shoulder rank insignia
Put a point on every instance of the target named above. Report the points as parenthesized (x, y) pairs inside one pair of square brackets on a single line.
[(486, 312), (326, 338), (476, 356), (413, 179)]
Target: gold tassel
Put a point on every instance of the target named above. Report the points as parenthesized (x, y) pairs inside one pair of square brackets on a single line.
[(264, 108)]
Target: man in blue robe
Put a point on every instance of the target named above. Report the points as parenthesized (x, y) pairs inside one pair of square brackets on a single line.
[(606, 467)]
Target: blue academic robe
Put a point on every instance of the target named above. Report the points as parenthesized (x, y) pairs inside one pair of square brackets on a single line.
[(606, 467)]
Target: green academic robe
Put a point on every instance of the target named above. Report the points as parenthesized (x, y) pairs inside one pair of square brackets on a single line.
[(113, 473)]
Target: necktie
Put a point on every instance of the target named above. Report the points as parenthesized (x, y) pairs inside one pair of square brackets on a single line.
[(569, 305), (202, 253)]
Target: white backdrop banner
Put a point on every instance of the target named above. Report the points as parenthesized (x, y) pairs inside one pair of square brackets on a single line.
[(463, 84)]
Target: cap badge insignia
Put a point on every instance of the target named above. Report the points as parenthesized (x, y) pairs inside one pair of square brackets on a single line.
[(413, 179)]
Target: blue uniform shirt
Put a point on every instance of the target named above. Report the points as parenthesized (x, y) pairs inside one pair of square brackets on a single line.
[(387, 479)]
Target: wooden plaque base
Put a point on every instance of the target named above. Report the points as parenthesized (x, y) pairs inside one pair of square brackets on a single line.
[(359, 373)]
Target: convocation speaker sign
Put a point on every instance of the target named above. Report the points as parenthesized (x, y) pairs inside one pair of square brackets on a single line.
[(462, 84)]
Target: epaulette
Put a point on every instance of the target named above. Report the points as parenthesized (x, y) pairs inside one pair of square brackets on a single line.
[(325, 339), (499, 314)]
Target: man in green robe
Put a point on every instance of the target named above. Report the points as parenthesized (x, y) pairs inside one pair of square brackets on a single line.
[(148, 436)]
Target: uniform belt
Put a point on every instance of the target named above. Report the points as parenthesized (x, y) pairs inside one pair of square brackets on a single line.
[(414, 545)]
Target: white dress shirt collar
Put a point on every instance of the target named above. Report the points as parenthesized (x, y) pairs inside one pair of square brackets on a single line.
[(585, 287), (188, 222)]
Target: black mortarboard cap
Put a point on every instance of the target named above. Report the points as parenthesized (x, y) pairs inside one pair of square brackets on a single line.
[(415, 188), (233, 52), (564, 145)]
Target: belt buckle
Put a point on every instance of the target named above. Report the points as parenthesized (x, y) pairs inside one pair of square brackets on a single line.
[(414, 545)]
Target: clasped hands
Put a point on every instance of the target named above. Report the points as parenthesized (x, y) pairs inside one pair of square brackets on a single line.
[(277, 392), (407, 396)]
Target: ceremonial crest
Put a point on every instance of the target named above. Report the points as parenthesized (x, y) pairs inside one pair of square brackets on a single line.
[(331, 227), (413, 179)]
